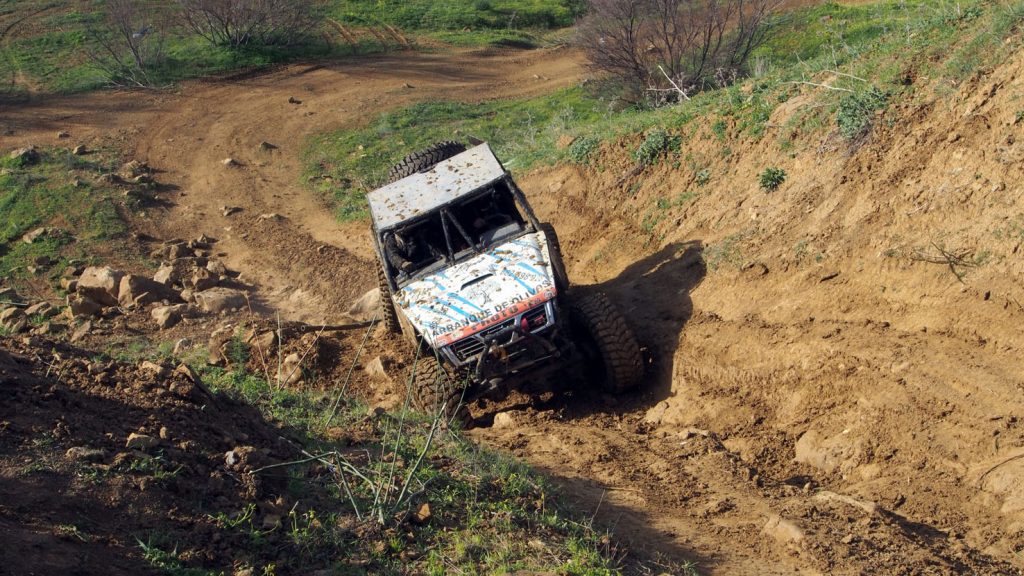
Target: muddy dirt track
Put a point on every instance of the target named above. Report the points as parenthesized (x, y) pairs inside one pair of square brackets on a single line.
[(815, 403)]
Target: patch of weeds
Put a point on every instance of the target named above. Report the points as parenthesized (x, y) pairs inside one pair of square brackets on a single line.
[(771, 178), (168, 561), (703, 176), (727, 251), (857, 110), (71, 531), (581, 149), (718, 129), (655, 146), (1018, 117)]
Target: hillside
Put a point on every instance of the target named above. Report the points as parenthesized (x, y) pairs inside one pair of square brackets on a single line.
[(823, 263)]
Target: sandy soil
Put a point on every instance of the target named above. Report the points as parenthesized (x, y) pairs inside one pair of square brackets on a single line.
[(821, 399)]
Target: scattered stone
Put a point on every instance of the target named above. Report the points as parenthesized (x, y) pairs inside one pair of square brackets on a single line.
[(85, 454), (13, 320), (290, 372), (264, 342), (62, 135), (271, 216), (181, 346), (504, 420), (365, 308), (134, 169), (829, 276), (374, 412), (203, 279), (26, 156), (153, 368), (375, 370), (69, 284), (41, 309), (139, 290), (81, 332), (229, 210), (166, 316), (230, 163), (869, 508), (267, 146), (143, 179), (293, 100), (216, 300), (40, 233), (141, 442), (422, 514), (216, 267), (101, 283), (80, 306), (80, 150)]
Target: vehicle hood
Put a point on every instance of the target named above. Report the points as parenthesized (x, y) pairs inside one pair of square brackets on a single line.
[(477, 293)]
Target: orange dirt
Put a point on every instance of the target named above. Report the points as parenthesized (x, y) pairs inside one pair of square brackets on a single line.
[(820, 399)]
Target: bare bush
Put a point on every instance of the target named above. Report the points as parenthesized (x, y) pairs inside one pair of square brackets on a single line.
[(667, 48), (129, 43), (248, 22)]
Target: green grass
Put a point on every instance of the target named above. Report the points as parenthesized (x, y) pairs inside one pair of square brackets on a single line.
[(491, 514), (46, 195), (449, 15)]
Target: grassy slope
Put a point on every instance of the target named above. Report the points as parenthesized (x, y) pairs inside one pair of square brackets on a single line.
[(49, 49), (875, 45)]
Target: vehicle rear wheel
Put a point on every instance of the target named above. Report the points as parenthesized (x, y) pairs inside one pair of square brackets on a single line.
[(618, 362), (555, 253), (425, 159), (387, 306), (436, 391)]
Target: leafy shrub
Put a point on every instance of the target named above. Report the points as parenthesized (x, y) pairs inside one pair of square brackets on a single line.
[(655, 145), (772, 178), (581, 149), (703, 176), (856, 110), (718, 128)]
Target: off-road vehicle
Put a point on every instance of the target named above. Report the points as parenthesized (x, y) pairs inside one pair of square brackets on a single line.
[(470, 276)]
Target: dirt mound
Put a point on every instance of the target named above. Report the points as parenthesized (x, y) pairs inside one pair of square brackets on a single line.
[(96, 453)]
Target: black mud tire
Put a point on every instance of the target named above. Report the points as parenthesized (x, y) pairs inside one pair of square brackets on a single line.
[(618, 362), (388, 314), (555, 253), (425, 159), (435, 387)]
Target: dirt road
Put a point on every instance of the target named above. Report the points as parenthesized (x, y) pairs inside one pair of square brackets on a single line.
[(848, 413)]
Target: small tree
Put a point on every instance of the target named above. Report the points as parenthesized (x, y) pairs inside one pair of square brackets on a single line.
[(129, 43), (672, 47), (248, 22)]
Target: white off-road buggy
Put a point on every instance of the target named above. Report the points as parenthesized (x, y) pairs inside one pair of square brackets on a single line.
[(472, 279)]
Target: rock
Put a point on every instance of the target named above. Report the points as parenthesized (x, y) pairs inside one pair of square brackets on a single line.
[(166, 316), (203, 279), (656, 413), (181, 346), (267, 146), (134, 169), (264, 342), (25, 156), (504, 420), (143, 179), (101, 283), (365, 308), (293, 100), (80, 150), (85, 454), (153, 368), (229, 210), (782, 530), (69, 284), (42, 310), (63, 135), (826, 454), (13, 320), (81, 332), (139, 290), (270, 216), (216, 267), (422, 514), (216, 300), (82, 306), (376, 370), (141, 442), (10, 295), (290, 372), (230, 162), (869, 508), (40, 233)]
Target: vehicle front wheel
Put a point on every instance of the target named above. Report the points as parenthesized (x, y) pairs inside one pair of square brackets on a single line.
[(387, 306), (617, 360), (438, 392)]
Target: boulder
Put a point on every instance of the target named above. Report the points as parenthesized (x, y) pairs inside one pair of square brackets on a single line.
[(85, 454), (139, 290), (216, 267), (216, 300), (80, 305), (41, 309), (134, 169), (13, 320), (102, 284), (141, 442)]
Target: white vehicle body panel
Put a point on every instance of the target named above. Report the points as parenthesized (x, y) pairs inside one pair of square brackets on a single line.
[(422, 192), (473, 295)]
